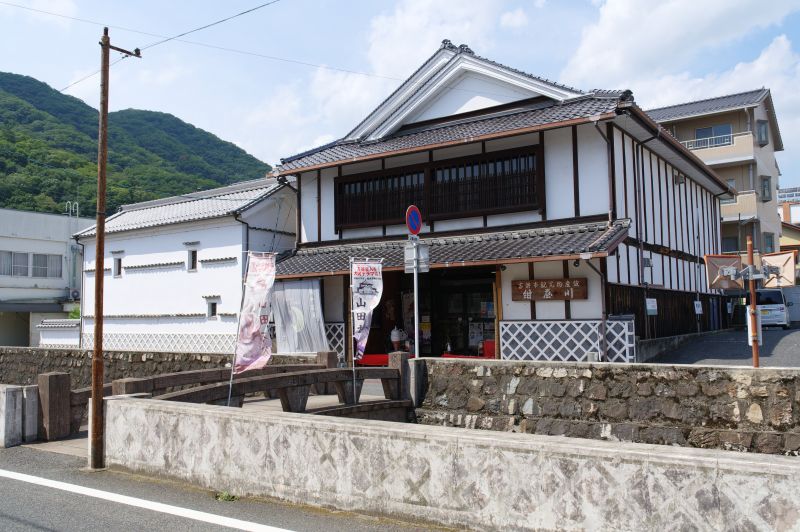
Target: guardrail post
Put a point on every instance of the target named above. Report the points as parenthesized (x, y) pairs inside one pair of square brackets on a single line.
[(329, 359), (132, 385), (54, 405), (10, 415), (399, 389), (294, 399), (30, 413)]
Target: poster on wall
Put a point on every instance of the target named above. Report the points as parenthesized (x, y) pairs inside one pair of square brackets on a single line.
[(253, 344), (367, 288)]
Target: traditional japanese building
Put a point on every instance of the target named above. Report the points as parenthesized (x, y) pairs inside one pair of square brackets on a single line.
[(547, 209)]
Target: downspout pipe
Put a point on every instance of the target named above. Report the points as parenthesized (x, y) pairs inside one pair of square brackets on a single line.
[(603, 312), (80, 323), (246, 241)]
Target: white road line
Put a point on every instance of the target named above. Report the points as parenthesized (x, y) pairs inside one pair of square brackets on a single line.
[(142, 503)]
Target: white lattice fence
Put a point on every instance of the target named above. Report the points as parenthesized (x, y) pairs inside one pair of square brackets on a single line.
[(335, 334), (566, 340), (220, 343)]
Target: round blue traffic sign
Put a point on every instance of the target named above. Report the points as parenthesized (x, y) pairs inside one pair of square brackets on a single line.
[(413, 220)]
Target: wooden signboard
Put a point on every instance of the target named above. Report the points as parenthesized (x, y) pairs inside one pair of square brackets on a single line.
[(549, 289)]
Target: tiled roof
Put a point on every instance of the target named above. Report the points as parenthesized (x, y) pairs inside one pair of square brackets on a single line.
[(708, 106), (505, 121), (214, 203), (452, 251)]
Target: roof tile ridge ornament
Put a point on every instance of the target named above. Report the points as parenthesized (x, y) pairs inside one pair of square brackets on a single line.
[(447, 44), (465, 49)]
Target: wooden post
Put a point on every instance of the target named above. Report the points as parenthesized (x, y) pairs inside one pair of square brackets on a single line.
[(54, 405), (498, 307)]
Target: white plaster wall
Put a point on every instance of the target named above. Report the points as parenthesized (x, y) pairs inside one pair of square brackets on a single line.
[(327, 204), (362, 232), (173, 290), (592, 306), (35, 318), (514, 310), (549, 310), (308, 203), (513, 218), (592, 171), (518, 141), (611, 269), (459, 224), (468, 92), (457, 151), (406, 160), (70, 337), (357, 168), (558, 173)]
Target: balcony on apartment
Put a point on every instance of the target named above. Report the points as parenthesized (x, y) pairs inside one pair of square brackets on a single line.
[(723, 149)]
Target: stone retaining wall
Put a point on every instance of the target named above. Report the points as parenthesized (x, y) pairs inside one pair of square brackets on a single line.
[(21, 365), (455, 477), (740, 409)]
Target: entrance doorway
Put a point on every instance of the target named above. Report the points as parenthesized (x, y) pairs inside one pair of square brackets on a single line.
[(463, 312)]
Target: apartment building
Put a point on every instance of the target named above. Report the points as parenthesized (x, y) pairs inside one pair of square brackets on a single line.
[(737, 135), (39, 271)]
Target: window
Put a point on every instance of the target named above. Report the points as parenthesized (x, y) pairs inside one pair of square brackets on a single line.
[(212, 309), (762, 132), (19, 264), (46, 266), (117, 266), (717, 135), (5, 262), (730, 244), (470, 186), (765, 190), (769, 243), (192, 260), (731, 184)]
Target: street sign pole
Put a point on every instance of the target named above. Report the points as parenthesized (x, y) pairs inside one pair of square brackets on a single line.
[(415, 243)]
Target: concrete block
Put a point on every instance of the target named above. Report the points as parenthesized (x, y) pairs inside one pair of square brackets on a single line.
[(10, 415), (54, 404), (30, 413)]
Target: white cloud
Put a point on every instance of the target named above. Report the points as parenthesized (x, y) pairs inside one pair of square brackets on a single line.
[(629, 41), (514, 19), (299, 116)]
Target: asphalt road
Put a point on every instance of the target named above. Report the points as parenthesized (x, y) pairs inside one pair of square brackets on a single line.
[(780, 349), (27, 505)]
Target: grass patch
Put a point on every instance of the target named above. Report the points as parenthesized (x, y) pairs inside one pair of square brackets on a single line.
[(226, 497)]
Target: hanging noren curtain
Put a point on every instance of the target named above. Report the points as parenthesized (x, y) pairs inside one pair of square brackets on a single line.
[(299, 323)]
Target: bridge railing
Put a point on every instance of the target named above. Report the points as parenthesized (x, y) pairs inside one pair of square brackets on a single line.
[(293, 388)]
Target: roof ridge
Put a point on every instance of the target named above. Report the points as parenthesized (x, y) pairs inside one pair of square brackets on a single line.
[(762, 89), (252, 184)]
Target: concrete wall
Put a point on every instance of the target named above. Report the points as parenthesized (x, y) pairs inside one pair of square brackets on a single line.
[(741, 409), (455, 477), (21, 365)]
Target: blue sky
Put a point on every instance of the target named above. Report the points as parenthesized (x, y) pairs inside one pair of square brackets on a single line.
[(665, 51)]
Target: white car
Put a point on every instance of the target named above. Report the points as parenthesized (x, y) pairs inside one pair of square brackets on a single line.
[(772, 306)]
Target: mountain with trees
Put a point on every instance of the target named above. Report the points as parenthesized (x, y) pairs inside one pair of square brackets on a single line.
[(48, 152)]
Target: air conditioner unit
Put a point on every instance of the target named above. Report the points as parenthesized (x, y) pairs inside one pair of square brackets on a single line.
[(74, 294)]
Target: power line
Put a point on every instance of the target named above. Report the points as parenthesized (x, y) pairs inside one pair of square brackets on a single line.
[(151, 45), (210, 25)]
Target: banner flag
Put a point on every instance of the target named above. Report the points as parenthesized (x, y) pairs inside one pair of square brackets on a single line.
[(784, 262), (366, 289), (253, 344)]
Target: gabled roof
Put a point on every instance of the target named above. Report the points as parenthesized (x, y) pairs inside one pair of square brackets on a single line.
[(214, 203), (721, 104), (505, 123), (566, 241), (436, 75), (714, 105)]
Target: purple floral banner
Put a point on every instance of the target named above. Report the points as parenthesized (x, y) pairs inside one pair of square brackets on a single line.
[(253, 344), (367, 287)]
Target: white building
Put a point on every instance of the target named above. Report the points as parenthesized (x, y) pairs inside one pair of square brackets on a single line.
[(173, 267), (39, 271), (519, 180)]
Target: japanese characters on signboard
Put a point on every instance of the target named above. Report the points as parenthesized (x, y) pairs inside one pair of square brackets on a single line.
[(549, 289), (253, 344), (367, 288)]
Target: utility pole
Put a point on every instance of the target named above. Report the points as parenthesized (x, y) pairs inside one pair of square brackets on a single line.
[(96, 458), (753, 307)]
